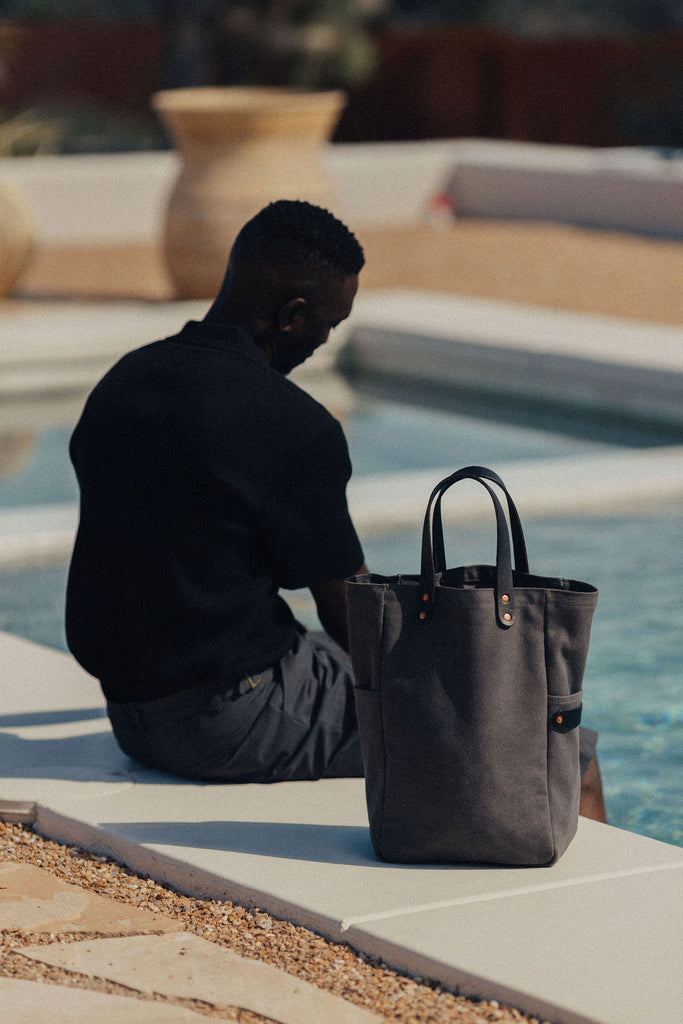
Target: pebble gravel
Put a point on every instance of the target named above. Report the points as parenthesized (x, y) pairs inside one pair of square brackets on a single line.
[(249, 932)]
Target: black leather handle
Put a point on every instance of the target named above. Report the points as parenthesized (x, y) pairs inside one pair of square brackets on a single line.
[(478, 473), (433, 554)]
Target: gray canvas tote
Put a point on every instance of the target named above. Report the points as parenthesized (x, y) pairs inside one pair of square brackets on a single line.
[(468, 687)]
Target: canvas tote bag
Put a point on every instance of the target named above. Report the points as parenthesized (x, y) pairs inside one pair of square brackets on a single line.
[(468, 692)]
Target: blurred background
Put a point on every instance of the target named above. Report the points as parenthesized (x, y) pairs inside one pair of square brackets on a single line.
[(76, 76)]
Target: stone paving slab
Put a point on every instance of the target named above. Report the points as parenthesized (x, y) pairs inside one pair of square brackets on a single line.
[(26, 1002), (34, 900), (188, 967)]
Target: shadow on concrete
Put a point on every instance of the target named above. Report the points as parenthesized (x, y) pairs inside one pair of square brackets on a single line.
[(326, 844), (28, 718), (93, 757)]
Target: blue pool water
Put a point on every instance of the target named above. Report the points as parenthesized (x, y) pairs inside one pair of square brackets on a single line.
[(633, 677), (45, 477), (390, 437)]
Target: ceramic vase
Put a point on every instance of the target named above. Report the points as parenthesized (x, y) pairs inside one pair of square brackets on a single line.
[(241, 148), (17, 231)]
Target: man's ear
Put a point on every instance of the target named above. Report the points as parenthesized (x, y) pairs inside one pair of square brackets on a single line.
[(291, 315)]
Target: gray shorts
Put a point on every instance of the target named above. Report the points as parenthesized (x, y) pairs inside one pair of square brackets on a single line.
[(294, 721)]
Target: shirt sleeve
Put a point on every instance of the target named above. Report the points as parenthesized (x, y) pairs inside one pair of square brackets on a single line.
[(310, 533)]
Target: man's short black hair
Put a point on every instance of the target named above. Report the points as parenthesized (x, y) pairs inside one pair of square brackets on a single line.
[(296, 235)]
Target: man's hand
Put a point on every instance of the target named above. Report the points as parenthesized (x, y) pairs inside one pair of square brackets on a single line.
[(330, 601)]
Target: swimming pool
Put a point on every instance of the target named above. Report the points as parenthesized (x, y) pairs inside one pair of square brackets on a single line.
[(633, 677)]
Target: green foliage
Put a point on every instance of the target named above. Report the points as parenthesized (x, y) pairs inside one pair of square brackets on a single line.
[(29, 134), (76, 128), (311, 44)]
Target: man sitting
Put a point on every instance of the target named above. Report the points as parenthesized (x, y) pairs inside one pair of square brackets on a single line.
[(209, 482)]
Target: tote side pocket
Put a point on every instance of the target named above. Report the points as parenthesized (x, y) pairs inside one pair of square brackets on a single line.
[(365, 613), (371, 724), (564, 713), (564, 777)]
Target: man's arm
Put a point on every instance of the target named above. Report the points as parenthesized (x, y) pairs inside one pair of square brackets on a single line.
[(330, 600)]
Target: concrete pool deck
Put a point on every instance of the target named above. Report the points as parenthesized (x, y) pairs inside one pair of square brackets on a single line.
[(596, 938)]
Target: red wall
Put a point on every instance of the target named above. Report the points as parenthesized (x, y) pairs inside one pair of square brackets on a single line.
[(450, 82), (116, 65), (443, 82)]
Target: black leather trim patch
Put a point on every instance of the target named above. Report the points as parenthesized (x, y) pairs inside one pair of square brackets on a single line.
[(565, 721)]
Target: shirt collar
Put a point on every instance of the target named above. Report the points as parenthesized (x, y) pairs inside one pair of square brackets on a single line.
[(226, 337)]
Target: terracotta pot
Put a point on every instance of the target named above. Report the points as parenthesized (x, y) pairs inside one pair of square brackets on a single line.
[(241, 149), (15, 449), (17, 230)]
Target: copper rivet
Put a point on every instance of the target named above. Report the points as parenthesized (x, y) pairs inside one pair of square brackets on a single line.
[(505, 598), (425, 597), (559, 719), (507, 616), (423, 615)]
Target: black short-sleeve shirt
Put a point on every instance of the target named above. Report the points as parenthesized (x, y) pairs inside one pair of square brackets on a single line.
[(208, 481)]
